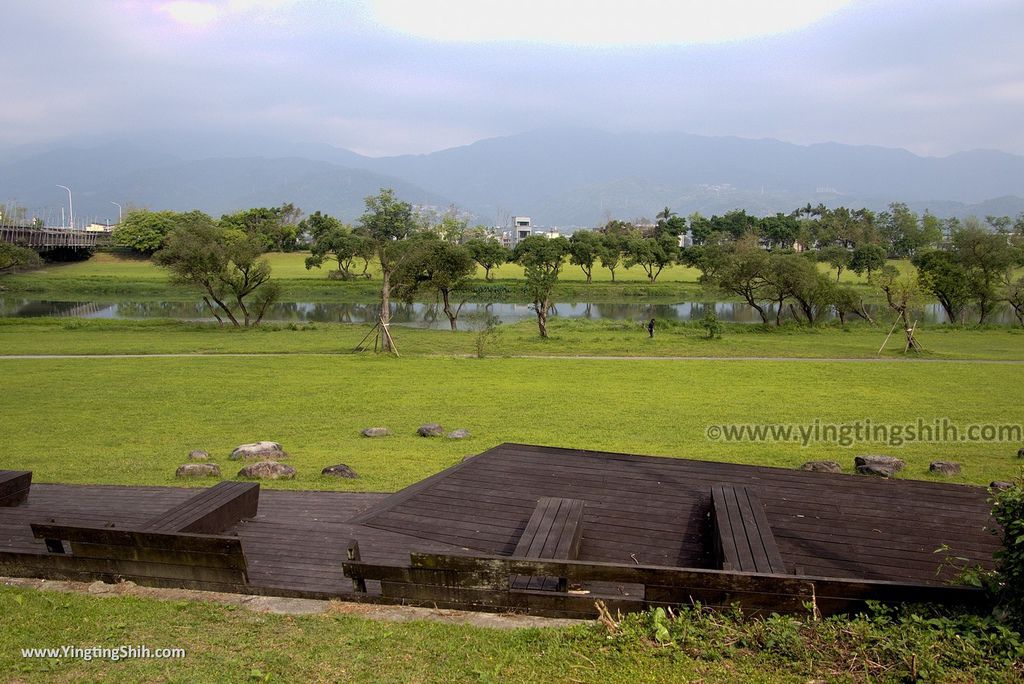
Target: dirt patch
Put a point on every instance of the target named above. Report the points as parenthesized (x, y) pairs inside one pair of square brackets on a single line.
[(293, 606)]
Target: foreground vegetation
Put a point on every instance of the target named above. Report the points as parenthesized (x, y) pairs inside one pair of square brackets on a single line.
[(134, 420), (229, 644)]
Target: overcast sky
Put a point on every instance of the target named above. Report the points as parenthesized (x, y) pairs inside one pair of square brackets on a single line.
[(393, 76)]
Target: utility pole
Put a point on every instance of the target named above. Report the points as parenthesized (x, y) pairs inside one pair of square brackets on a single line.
[(71, 205), (118, 212)]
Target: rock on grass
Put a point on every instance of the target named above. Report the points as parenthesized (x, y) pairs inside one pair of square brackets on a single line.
[(267, 470)]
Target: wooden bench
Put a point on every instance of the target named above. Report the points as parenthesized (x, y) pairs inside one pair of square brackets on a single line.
[(741, 536), (209, 512), (554, 532), (179, 547), (14, 486)]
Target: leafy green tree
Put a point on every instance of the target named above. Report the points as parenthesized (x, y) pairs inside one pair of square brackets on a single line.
[(670, 223), (652, 254), (779, 231), (276, 227), (836, 257), (735, 224), (610, 252), (847, 301), (943, 276), (17, 258), (745, 273), (541, 259), (489, 254), (226, 264), (709, 257), (903, 294), (701, 228), (1013, 294), (987, 258), (584, 249), (867, 258), (332, 240), (440, 266), (145, 231), (388, 221)]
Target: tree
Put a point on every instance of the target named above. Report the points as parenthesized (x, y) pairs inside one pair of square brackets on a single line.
[(584, 249), (837, 257), (987, 258), (942, 276), (227, 265), (745, 274), (541, 259), (489, 254), (653, 254), (779, 231), (867, 259), (846, 301), (275, 227), (145, 231), (670, 223), (387, 222), (610, 252), (437, 265), (903, 294), (17, 258), (1013, 294), (708, 257), (333, 240)]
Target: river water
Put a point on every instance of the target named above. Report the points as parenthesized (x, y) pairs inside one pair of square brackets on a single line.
[(424, 315)]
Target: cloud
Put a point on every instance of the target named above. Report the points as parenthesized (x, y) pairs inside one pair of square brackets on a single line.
[(934, 77)]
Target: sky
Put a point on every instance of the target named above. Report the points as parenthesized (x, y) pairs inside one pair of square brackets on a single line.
[(384, 77)]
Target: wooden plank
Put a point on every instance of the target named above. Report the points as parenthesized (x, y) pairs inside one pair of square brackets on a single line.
[(210, 512), (201, 543), (14, 487), (743, 537)]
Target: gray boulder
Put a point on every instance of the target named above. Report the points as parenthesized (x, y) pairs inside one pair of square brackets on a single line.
[(197, 470), (461, 433), (263, 451), (946, 468), (875, 469), (198, 455), (376, 432), (822, 467), (1000, 485), (267, 470), (430, 430), (340, 470), (888, 462)]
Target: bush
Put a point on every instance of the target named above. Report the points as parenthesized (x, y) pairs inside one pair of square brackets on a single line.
[(712, 326), (1008, 510)]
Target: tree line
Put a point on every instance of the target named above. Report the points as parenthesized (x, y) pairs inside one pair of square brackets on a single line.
[(768, 262)]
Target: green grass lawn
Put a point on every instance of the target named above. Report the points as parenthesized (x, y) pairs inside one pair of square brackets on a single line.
[(569, 337), (117, 275), (230, 644), (133, 421)]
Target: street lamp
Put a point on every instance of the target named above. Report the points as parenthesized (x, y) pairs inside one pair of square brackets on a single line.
[(118, 212), (71, 205)]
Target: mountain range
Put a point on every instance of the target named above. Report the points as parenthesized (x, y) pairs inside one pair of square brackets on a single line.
[(569, 177)]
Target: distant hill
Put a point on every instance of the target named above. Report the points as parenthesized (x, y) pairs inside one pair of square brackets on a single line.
[(559, 177)]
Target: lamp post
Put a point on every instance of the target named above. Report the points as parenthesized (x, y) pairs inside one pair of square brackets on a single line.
[(71, 205), (118, 212)]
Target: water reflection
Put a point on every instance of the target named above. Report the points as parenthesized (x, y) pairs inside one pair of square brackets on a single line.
[(425, 315)]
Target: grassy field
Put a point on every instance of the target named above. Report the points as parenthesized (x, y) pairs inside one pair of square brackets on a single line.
[(569, 337), (133, 420), (229, 644), (115, 274)]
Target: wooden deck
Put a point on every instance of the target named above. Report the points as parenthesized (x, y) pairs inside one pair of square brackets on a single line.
[(648, 519)]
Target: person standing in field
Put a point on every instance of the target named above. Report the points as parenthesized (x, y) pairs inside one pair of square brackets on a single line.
[(650, 328)]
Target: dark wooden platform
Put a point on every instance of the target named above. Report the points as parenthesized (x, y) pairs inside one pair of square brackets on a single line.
[(634, 530)]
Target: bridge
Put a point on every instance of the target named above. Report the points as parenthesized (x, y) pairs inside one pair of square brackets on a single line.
[(45, 239)]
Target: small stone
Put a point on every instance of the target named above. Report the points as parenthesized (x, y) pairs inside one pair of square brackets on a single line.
[(340, 470), (100, 587), (461, 433), (267, 470), (889, 462), (197, 470), (198, 455), (875, 469), (376, 432), (430, 430), (264, 451), (946, 468), (1000, 485), (822, 467)]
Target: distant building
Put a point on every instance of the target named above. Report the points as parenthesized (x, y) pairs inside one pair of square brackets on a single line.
[(99, 228), (523, 227)]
